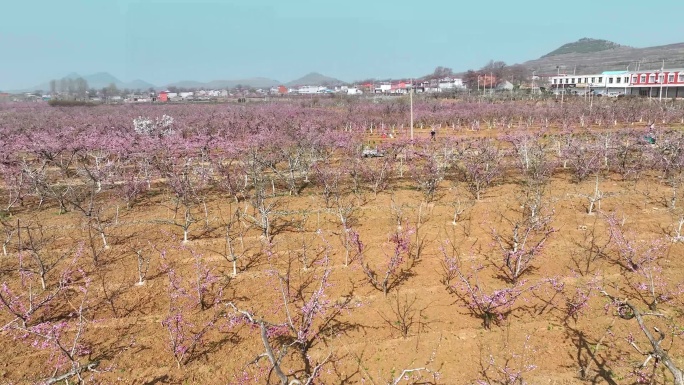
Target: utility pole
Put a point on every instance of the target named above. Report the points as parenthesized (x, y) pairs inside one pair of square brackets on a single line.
[(660, 90), (411, 102), (491, 85), (480, 94), (562, 96), (629, 78), (661, 79)]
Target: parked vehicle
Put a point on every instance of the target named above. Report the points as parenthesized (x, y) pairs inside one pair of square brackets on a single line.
[(371, 153)]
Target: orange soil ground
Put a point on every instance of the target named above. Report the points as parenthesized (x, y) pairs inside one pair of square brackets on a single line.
[(446, 337)]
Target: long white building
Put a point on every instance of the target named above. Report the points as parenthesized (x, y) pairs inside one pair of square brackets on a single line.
[(665, 83), (603, 83)]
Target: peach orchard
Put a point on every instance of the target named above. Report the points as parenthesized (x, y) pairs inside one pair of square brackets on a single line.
[(254, 243)]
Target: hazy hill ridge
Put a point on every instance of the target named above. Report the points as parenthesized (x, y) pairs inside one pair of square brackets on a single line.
[(103, 79), (222, 84), (315, 79), (584, 45), (587, 56)]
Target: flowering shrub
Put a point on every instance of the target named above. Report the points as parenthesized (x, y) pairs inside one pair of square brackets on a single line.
[(491, 306), (310, 319), (186, 327), (523, 243), (508, 367), (160, 126), (398, 262), (39, 323)]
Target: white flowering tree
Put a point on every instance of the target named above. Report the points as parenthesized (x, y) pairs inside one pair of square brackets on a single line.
[(160, 125)]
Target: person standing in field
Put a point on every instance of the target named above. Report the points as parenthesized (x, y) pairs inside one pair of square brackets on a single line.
[(650, 137), (433, 133)]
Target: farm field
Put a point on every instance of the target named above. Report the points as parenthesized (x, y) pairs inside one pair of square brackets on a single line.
[(529, 243)]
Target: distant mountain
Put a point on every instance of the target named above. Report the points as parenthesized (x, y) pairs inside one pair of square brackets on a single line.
[(222, 84), (588, 56), (98, 80), (104, 79), (315, 79), (72, 75), (138, 84), (584, 45), (312, 79)]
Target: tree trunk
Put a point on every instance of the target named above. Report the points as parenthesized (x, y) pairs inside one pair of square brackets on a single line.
[(271, 355)]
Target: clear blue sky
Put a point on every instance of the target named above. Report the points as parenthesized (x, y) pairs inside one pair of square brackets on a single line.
[(162, 41)]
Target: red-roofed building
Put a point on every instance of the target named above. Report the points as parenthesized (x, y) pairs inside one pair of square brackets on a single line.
[(669, 82), (367, 87)]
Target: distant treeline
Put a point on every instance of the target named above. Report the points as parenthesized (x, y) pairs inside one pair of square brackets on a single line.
[(70, 103)]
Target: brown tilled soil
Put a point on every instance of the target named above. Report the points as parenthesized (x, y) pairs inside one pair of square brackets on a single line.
[(126, 334)]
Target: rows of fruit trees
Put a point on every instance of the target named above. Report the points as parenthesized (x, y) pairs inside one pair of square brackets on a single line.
[(230, 172)]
